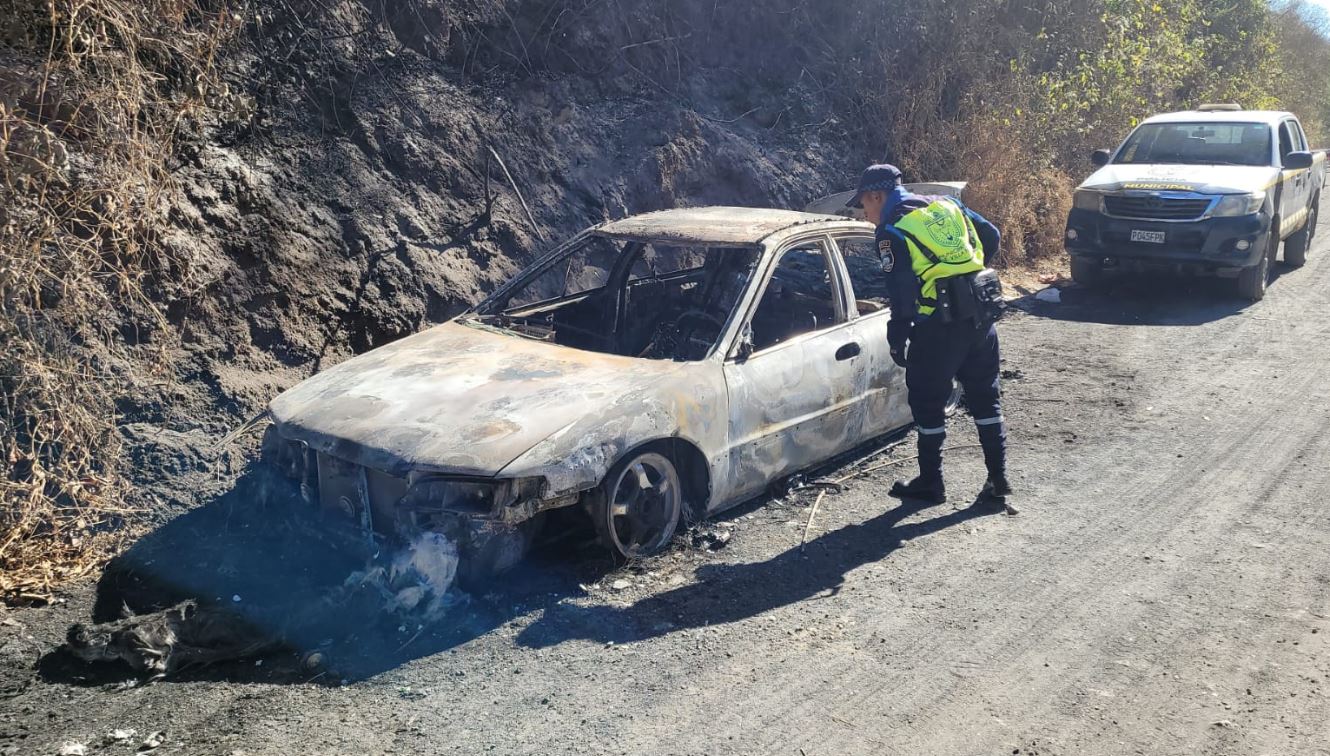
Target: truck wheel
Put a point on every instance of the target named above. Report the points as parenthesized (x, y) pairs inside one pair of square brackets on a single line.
[(1087, 273), (1252, 281), (638, 506), (1296, 246), (1313, 218), (1315, 215), (1295, 249)]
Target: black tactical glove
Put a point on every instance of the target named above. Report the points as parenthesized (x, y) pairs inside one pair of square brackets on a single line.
[(898, 335), (898, 356)]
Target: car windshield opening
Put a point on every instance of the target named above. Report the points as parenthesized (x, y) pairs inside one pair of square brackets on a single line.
[(1198, 144), (647, 299)]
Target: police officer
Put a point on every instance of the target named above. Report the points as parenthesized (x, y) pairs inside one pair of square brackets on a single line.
[(932, 249)]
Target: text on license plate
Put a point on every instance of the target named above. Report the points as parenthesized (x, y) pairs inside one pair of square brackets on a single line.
[(1152, 237)]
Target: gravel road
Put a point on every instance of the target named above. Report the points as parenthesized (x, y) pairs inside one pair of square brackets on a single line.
[(1164, 591)]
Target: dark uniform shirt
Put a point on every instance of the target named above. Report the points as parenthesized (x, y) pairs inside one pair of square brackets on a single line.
[(902, 284)]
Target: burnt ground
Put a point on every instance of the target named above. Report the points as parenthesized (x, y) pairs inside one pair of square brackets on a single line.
[(1163, 591)]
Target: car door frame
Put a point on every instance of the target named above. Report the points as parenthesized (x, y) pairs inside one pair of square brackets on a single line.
[(761, 449), (885, 400)]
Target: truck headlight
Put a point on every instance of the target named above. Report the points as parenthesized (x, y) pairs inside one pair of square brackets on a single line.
[(1232, 205), (1088, 199)]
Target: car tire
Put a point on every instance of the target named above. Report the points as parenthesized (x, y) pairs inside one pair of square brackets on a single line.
[(638, 506), (1252, 281), (1087, 273)]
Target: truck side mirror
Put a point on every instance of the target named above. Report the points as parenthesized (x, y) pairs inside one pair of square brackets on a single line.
[(1100, 158), (1296, 161)]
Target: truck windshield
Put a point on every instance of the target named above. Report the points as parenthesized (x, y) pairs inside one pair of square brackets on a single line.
[(1198, 144)]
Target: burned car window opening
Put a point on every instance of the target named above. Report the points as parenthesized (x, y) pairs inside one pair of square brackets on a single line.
[(798, 299), (864, 264), (639, 299)]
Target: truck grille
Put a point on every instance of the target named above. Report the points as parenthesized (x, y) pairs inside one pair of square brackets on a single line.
[(1155, 208)]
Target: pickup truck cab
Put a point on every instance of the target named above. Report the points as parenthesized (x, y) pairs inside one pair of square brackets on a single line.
[(1212, 191)]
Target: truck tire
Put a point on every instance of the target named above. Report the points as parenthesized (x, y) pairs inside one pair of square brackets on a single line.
[(1313, 218), (1296, 246), (1252, 281), (1087, 273)]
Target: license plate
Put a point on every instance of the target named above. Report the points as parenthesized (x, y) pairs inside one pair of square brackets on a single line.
[(1150, 237)]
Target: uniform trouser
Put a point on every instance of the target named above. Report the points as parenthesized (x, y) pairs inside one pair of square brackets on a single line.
[(940, 352)]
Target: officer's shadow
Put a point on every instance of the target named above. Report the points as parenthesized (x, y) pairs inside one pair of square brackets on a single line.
[(732, 592)]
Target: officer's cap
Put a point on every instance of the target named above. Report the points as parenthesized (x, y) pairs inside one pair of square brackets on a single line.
[(877, 178)]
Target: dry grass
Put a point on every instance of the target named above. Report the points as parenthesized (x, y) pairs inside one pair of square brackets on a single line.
[(90, 110)]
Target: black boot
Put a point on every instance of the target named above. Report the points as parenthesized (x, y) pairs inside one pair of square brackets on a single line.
[(997, 488), (993, 439), (995, 497), (920, 489), (928, 485), (997, 491)]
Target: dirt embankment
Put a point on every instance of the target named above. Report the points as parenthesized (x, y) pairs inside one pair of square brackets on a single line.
[(352, 208), (337, 186), (203, 203)]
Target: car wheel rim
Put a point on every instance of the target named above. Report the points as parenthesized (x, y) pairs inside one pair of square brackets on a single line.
[(644, 505)]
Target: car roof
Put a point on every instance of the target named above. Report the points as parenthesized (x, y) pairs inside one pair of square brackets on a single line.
[(1270, 117), (724, 226)]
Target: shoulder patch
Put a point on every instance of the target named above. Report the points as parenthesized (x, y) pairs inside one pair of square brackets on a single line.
[(888, 257)]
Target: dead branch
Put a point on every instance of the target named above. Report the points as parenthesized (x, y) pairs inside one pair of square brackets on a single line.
[(513, 183)]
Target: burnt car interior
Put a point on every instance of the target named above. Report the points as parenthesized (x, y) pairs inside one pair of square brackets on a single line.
[(631, 298), (653, 300), (798, 299), (863, 262)]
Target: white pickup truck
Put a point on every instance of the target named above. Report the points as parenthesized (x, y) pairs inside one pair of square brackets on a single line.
[(1213, 191)]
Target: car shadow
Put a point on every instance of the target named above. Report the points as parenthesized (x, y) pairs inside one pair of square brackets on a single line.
[(235, 554), (1145, 300), (726, 593)]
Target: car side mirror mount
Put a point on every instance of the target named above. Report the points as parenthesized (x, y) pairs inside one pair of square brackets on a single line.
[(1100, 158), (1296, 161), (744, 349)]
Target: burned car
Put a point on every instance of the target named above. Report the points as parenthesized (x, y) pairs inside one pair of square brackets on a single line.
[(651, 370)]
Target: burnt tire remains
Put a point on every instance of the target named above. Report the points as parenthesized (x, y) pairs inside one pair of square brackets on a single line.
[(637, 508)]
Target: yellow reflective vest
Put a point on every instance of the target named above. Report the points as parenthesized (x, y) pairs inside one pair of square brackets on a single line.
[(943, 243)]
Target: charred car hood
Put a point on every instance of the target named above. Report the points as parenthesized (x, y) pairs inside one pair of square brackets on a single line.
[(1205, 179), (457, 399)]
